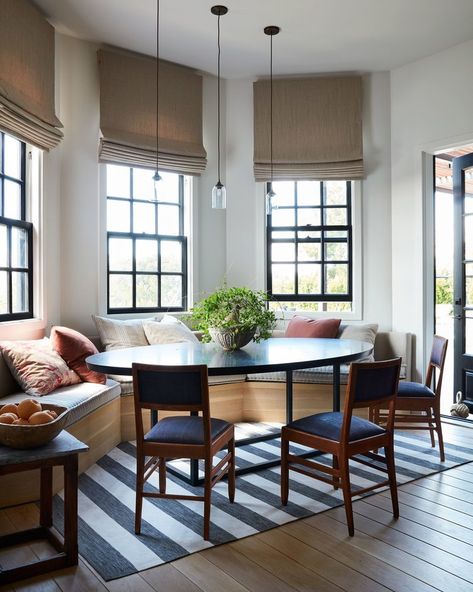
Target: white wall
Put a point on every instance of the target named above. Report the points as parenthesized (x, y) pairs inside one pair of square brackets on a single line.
[(227, 244), (209, 232), (430, 110)]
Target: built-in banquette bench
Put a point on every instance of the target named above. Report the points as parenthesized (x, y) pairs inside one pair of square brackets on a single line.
[(102, 415)]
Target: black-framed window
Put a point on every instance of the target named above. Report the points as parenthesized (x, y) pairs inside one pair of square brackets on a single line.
[(16, 233), (146, 242), (309, 245)]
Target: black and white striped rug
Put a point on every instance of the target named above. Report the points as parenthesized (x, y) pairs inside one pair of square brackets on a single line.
[(172, 529)]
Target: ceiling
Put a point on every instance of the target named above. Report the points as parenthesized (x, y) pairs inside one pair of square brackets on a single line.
[(316, 35)]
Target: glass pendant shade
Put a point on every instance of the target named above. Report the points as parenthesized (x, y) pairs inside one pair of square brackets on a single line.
[(219, 197), (271, 203), (156, 179)]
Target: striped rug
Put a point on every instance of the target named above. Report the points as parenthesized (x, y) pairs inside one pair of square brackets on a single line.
[(173, 529)]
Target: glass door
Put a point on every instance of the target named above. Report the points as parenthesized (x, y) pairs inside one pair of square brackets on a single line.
[(462, 168)]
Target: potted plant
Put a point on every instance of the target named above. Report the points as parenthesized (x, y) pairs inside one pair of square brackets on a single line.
[(234, 316)]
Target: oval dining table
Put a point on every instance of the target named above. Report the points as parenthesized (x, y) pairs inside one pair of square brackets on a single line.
[(271, 355)]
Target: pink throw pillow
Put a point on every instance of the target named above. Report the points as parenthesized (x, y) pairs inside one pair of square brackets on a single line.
[(36, 367), (74, 347), (306, 327)]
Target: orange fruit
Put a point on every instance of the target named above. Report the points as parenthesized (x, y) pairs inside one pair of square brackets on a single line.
[(28, 407), (8, 417), (40, 417), (21, 421), (9, 408)]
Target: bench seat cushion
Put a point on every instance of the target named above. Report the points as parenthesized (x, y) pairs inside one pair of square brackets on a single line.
[(81, 399), (321, 375)]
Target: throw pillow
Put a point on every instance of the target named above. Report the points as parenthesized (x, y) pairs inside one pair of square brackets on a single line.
[(168, 333), (366, 332), (73, 347), (36, 367), (307, 327), (115, 334)]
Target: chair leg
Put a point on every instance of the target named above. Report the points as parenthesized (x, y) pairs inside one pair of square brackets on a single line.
[(438, 428), (231, 471), (345, 478), (207, 497), (162, 475), (389, 454), (335, 465), (431, 429), (139, 491), (284, 470)]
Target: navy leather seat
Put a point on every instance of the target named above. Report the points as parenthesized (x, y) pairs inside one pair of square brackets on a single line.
[(329, 425), (414, 389), (184, 430)]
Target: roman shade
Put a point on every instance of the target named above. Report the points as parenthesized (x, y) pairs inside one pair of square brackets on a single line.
[(128, 113), (317, 128), (27, 75)]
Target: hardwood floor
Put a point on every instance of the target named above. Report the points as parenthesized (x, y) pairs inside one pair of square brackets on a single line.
[(429, 548)]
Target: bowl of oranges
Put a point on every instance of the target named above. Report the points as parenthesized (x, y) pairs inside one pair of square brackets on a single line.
[(30, 424)]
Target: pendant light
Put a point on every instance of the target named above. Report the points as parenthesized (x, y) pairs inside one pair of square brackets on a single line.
[(157, 176), (270, 201), (219, 193)]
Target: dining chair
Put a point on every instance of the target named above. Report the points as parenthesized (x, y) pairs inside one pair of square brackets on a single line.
[(179, 388), (347, 437), (418, 405)]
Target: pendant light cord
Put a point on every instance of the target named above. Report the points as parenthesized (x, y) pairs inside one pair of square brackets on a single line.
[(218, 97), (157, 86), (271, 105)]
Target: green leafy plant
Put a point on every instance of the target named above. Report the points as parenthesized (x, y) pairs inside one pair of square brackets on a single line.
[(234, 309)]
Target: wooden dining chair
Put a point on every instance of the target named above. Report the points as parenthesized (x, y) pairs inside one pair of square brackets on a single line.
[(179, 388), (346, 436), (417, 404)]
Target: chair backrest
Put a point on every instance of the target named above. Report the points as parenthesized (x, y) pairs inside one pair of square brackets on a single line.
[(173, 388), (371, 384), (436, 362), (170, 388)]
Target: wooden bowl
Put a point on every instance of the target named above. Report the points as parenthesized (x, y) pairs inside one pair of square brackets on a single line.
[(33, 436)]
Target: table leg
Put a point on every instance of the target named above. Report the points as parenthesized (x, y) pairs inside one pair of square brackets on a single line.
[(336, 387), (289, 396), (70, 509), (46, 497)]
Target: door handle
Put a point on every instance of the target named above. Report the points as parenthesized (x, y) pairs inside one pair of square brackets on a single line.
[(458, 317)]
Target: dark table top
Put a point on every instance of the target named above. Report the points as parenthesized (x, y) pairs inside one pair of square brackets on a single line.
[(61, 445), (267, 356)]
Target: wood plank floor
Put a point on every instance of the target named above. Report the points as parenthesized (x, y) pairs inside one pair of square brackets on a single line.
[(429, 548)]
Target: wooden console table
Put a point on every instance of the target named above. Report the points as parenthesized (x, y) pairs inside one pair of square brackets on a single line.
[(62, 451)]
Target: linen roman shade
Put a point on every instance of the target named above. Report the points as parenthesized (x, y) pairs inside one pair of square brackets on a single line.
[(317, 128), (27, 74), (128, 113)]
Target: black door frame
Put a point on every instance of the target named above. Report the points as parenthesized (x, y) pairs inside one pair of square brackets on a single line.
[(463, 363)]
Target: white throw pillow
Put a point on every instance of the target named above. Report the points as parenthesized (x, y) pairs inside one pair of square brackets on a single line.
[(366, 332), (170, 320), (115, 334), (167, 332)]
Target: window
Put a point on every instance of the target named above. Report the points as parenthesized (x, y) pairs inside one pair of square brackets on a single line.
[(146, 241), (309, 246), (16, 233)]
